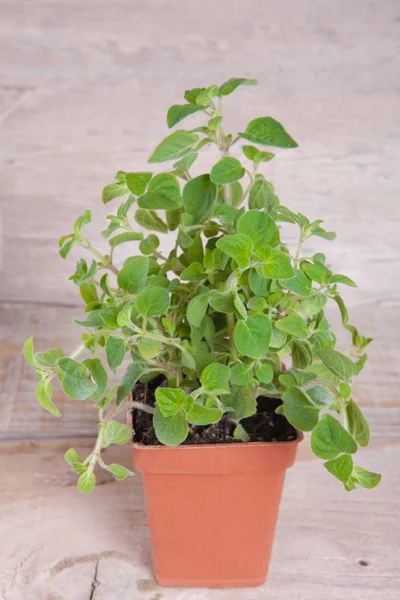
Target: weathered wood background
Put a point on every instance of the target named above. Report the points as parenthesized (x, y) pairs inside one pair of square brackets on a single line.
[(84, 88)]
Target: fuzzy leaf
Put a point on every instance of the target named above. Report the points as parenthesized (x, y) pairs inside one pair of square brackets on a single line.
[(252, 337), (329, 438), (174, 146), (268, 132), (170, 431)]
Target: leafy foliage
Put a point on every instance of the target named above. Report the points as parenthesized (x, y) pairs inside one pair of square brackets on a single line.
[(230, 313)]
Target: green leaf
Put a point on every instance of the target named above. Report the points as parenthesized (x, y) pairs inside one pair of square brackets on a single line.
[(259, 285), (223, 302), (365, 478), (278, 338), (294, 325), (260, 228), (215, 378), (329, 438), (299, 410), (116, 433), (199, 195), (49, 358), (239, 306), (262, 195), (121, 238), (197, 308), (203, 415), (257, 303), (174, 146), (81, 222), (99, 376), (119, 471), (75, 379), (133, 275), (113, 190), (132, 375), (342, 279), (178, 112), (44, 392), (148, 349), (302, 355), (227, 170), (193, 272), (317, 273), (28, 352), (300, 284), (339, 364), (191, 95), (341, 467), (73, 459), (152, 302), (312, 305), (230, 86), (169, 400), (256, 155), (170, 431), (163, 193), (237, 246), (358, 424), (137, 182), (268, 132), (252, 337), (242, 401), (88, 292), (86, 482), (342, 307), (115, 352), (66, 243), (149, 244), (150, 220), (240, 433), (241, 374), (276, 264), (265, 373)]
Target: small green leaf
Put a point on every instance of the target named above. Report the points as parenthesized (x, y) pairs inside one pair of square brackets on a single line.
[(276, 264), (73, 459), (203, 415), (317, 273), (230, 86), (169, 400), (75, 379), (265, 373), (359, 427), (300, 284), (137, 182), (178, 112), (299, 410), (132, 276), (240, 433), (99, 375), (170, 431), (268, 132), (28, 352), (365, 478), (240, 402), (341, 467), (259, 227), (227, 170), (302, 355), (163, 193), (329, 438), (150, 220), (152, 302), (44, 392), (339, 364), (223, 302), (121, 238), (342, 279), (174, 146), (237, 246), (241, 374), (132, 375), (86, 482), (312, 305), (294, 325), (215, 378), (115, 352), (149, 244), (252, 337), (199, 195), (193, 272), (119, 471), (113, 190), (197, 308), (262, 195), (259, 285), (116, 433)]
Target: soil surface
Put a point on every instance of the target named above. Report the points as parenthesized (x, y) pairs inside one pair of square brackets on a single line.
[(264, 426)]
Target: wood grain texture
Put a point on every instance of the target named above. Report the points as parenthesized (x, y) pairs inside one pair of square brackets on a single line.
[(61, 545)]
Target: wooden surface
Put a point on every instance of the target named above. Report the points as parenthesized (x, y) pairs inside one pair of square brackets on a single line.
[(84, 88)]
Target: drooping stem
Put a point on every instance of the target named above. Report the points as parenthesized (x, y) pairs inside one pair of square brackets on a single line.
[(336, 395)]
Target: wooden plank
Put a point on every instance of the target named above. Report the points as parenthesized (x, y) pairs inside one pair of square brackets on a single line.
[(329, 543)]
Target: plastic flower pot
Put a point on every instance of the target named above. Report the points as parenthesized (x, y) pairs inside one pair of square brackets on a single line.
[(212, 510)]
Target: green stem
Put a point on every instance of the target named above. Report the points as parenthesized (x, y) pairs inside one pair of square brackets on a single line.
[(336, 395)]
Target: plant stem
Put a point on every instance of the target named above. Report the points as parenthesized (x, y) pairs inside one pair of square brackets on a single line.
[(336, 395), (142, 406)]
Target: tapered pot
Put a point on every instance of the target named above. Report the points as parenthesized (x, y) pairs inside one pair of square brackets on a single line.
[(212, 510)]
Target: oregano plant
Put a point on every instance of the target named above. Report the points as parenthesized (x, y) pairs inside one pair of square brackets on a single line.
[(229, 314)]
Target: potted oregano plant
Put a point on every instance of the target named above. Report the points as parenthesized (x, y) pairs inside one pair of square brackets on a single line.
[(230, 353)]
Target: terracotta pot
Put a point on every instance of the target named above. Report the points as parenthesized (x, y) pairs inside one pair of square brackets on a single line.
[(212, 510)]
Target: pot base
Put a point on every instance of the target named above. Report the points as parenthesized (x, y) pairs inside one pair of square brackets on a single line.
[(211, 583)]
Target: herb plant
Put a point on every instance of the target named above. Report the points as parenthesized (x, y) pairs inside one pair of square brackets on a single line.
[(231, 313)]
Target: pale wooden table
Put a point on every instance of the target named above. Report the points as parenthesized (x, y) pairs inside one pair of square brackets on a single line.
[(84, 89)]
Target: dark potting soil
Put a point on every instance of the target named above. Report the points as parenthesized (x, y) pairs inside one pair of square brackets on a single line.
[(264, 426)]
